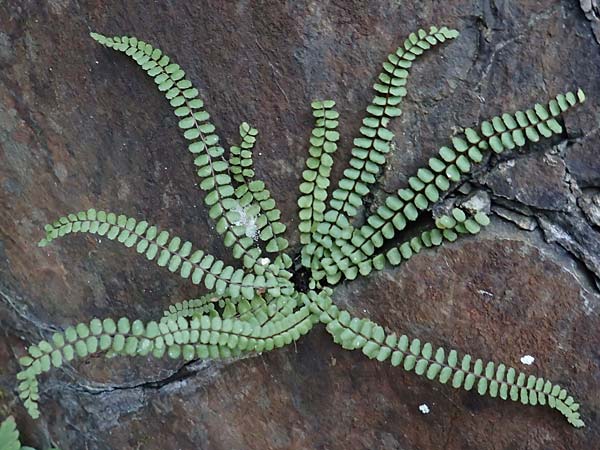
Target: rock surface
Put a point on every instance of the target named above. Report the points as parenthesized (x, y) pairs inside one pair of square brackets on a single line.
[(80, 126)]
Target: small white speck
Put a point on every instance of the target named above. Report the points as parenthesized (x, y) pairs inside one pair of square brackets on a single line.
[(97, 62), (485, 293), (527, 359), (424, 409), (264, 261)]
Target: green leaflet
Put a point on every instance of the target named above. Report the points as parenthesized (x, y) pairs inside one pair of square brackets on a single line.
[(9, 436), (255, 306)]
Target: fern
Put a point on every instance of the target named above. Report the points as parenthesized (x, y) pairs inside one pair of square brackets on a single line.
[(9, 436), (258, 307)]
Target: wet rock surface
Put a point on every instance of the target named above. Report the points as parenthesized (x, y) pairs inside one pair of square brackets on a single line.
[(80, 127)]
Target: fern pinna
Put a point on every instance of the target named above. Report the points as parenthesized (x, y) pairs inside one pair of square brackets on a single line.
[(255, 306), (9, 436)]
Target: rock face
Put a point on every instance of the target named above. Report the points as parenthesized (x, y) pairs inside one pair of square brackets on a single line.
[(81, 127)]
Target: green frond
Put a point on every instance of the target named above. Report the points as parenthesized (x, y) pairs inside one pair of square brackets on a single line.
[(240, 158), (169, 251), (9, 435), (203, 306), (257, 311), (439, 364), (204, 144), (447, 229), (255, 200), (448, 168), (370, 149), (200, 337), (313, 189)]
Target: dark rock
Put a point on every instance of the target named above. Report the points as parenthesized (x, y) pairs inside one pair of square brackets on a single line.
[(80, 126), (590, 204), (521, 220)]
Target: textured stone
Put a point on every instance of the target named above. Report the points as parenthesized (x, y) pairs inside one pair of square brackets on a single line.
[(80, 126)]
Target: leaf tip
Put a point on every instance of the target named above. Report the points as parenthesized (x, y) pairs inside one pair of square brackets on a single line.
[(98, 37)]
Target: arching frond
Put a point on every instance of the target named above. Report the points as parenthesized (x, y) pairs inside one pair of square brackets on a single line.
[(452, 163), (197, 338), (168, 251), (370, 149), (204, 143), (439, 364)]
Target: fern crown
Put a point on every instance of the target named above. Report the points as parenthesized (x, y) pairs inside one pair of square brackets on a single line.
[(258, 304)]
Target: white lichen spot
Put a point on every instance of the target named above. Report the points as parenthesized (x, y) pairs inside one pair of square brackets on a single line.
[(424, 408), (247, 221), (264, 261), (527, 359)]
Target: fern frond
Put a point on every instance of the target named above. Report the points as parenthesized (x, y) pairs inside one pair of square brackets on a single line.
[(501, 133), (9, 435), (199, 337), (203, 306), (447, 229), (257, 311), (240, 158), (212, 168), (167, 251), (461, 371), (370, 149), (313, 189), (253, 194)]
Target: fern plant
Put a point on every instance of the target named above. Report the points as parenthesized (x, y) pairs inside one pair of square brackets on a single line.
[(9, 436), (257, 306)]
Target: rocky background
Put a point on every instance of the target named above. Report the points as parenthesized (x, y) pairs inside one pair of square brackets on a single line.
[(81, 126)]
